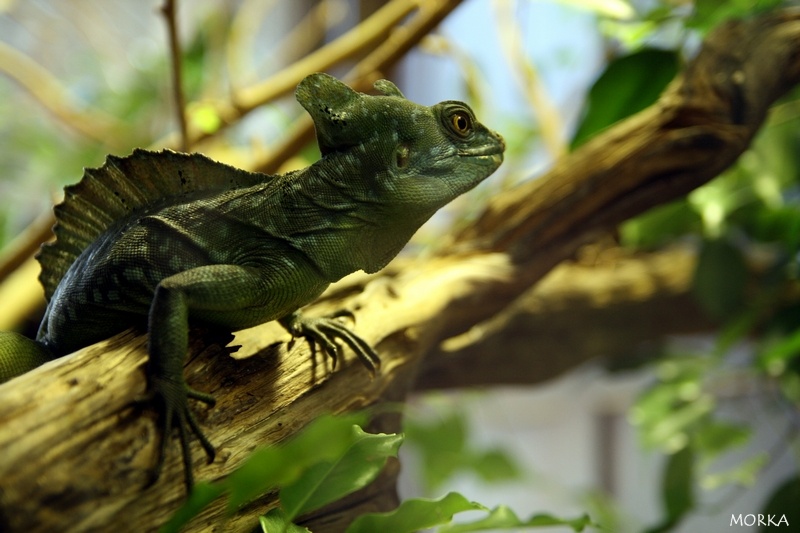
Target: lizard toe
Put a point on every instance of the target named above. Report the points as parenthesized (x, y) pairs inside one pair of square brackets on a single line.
[(171, 400)]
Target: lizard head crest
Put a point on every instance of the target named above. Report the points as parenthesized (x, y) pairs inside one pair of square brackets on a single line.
[(337, 110)]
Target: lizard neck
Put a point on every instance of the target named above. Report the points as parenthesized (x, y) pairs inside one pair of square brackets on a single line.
[(336, 213)]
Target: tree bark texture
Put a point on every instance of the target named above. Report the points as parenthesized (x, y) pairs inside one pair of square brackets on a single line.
[(76, 451)]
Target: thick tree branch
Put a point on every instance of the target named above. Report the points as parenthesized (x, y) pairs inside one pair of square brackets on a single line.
[(703, 122), (618, 310), (53, 416)]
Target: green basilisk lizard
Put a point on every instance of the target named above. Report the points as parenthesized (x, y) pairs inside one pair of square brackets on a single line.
[(162, 240)]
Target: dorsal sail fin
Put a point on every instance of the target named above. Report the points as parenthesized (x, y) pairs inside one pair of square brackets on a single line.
[(122, 187)]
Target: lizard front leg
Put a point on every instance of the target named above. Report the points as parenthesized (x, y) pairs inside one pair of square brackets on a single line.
[(326, 331)]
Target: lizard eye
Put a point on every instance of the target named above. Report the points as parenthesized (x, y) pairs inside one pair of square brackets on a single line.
[(461, 123), (457, 119)]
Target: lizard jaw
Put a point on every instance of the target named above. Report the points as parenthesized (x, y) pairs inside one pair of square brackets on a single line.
[(489, 155)]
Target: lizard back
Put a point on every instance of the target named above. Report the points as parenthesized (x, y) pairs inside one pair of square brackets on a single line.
[(123, 187)]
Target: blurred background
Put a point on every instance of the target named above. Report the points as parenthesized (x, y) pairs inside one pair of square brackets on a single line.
[(678, 434)]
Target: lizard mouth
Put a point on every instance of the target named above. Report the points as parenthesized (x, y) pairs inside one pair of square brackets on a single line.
[(490, 159), (492, 155), (487, 153)]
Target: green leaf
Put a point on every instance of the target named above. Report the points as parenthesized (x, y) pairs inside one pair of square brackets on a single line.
[(658, 402), (324, 439), (744, 474), (444, 450), (715, 438), (202, 494), (776, 357), (628, 85), (502, 517), (669, 432), (442, 445), (415, 514), (660, 225), (495, 466), (780, 224), (719, 279), (276, 521), (783, 503), (204, 116), (260, 472), (790, 386), (677, 489), (710, 13), (669, 411), (329, 481)]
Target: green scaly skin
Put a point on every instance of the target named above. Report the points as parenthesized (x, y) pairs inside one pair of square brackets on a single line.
[(235, 257)]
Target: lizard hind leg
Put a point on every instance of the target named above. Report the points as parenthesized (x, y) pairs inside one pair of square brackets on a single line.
[(169, 395)]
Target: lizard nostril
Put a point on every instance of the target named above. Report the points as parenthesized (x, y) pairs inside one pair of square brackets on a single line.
[(502, 141)]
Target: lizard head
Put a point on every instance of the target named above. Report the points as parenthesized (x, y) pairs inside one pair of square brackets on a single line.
[(421, 157), (392, 163)]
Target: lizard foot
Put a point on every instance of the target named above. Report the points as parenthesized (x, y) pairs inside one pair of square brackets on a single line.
[(171, 399), (325, 331)]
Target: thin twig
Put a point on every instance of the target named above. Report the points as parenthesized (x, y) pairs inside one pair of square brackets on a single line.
[(394, 47), (168, 11), (242, 36), (529, 80)]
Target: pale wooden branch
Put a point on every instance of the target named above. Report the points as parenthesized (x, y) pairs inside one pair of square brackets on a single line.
[(76, 453), (700, 125), (361, 77), (302, 39), (619, 310)]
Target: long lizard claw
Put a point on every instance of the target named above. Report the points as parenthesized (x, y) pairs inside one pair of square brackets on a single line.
[(326, 331), (171, 399)]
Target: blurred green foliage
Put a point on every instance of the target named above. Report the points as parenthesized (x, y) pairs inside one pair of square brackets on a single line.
[(627, 85), (746, 226), (445, 449), (419, 513), (308, 476)]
